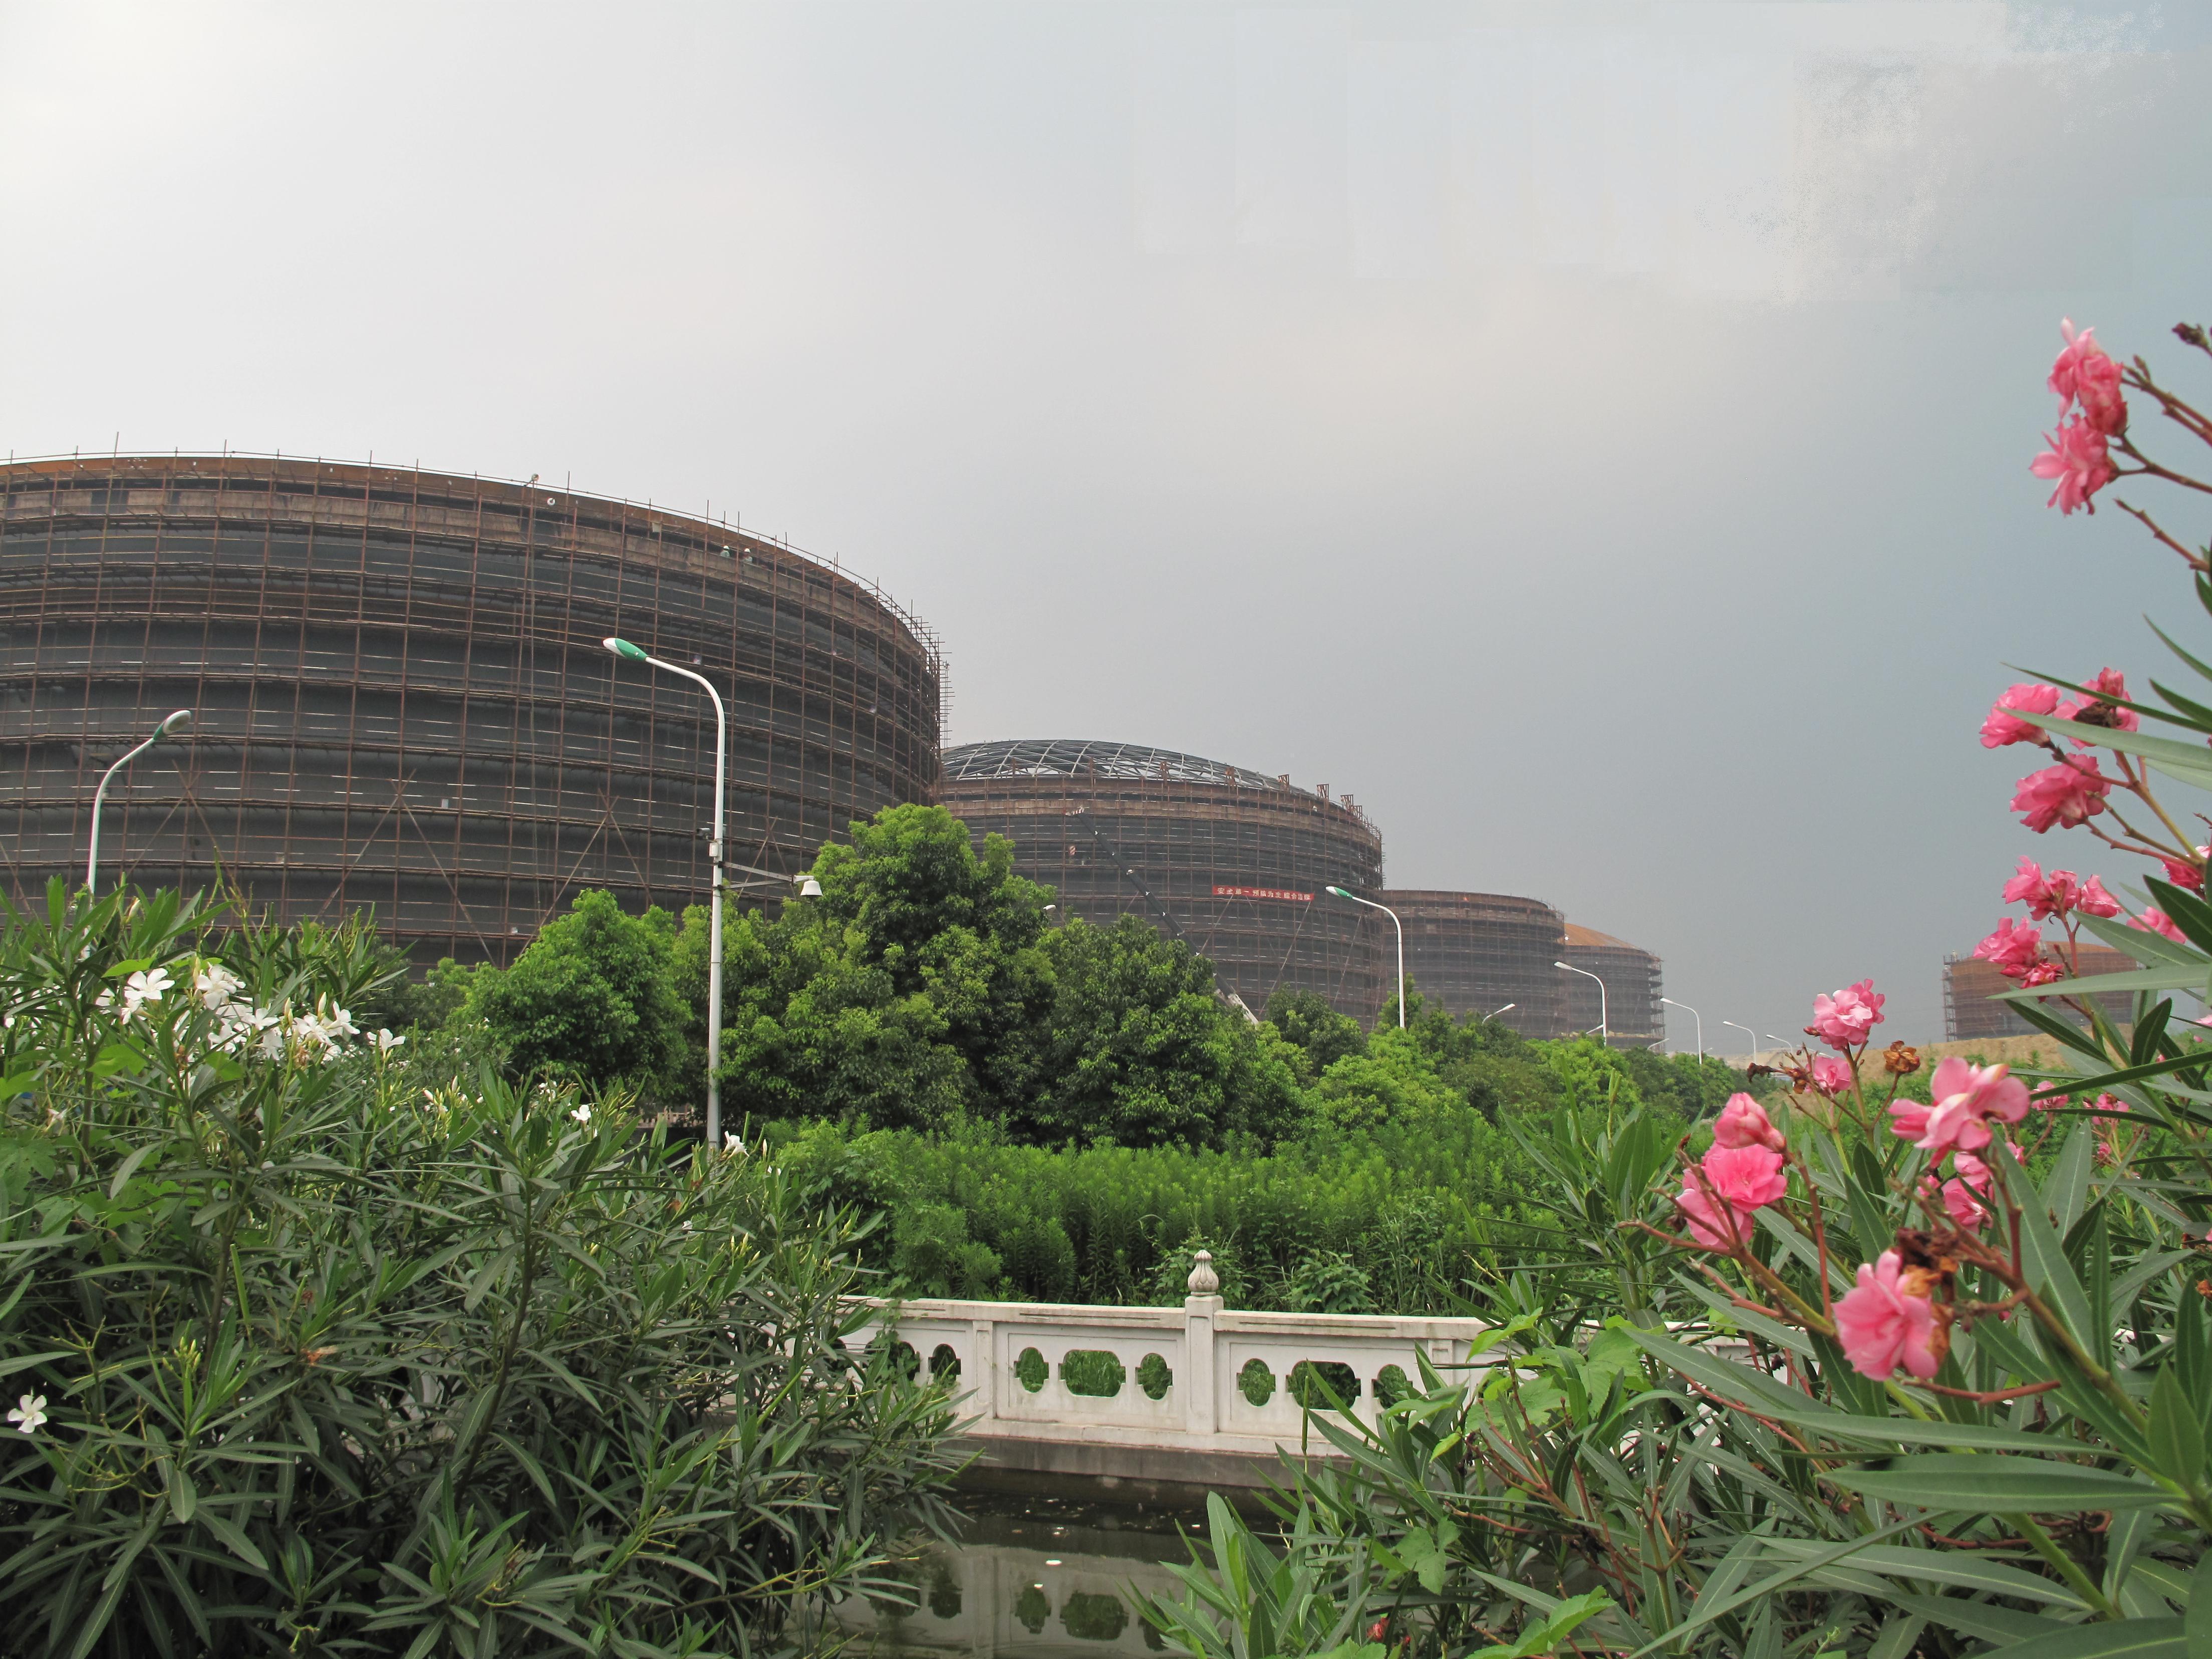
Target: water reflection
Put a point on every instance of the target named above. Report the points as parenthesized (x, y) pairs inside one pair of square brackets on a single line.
[(1034, 1577)]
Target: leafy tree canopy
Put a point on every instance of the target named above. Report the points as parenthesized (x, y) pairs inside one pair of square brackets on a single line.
[(590, 998)]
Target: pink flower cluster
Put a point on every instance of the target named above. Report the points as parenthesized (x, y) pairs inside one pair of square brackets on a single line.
[(1967, 1098), (2154, 920), (2058, 894), (2079, 461), (1962, 1194), (2100, 705), (2073, 791), (1742, 1172), (1883, 1322), (2003, 726), (1846, 1019)]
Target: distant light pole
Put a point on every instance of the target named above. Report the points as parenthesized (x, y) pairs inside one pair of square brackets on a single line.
[(623, 648), (1401, 926), (1604, 1029), (182, 718), (1694, 1014), (1748, 1032), (1494, 1013)]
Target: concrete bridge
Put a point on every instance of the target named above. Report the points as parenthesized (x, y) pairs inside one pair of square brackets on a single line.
[(1201, 1394)]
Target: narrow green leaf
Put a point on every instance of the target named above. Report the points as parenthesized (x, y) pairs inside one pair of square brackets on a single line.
[(2120, 1638), (2043, 1255), (1998, 1486), (1978, 1619)]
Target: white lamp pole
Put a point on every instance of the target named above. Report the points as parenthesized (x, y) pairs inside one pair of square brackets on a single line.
[(624, 648), (1401, 926), (182, 718), (1694, 1014), (1604, 1028), (1494, 1013), (1748, 1032)]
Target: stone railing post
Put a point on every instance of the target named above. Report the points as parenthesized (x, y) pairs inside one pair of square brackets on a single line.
[(1201, 1403), (983, 1386)]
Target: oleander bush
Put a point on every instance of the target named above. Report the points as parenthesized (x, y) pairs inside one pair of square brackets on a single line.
[(1916, 1363), (309, 1357)]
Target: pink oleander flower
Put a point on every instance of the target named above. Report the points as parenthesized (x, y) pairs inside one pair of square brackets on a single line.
[(1966, 1097), (1743, 1123), (1880, 1325), (2069, 793), (2094, 900), (1737, 1182), (2079, 461), (1830, 1076), (2108, 1103), (2026, 887), (2154, 920), (2099, 707), (2002, 727), (2086, 372), (1909, 1119), (2045, 972), (1967, 1211), (2014, 947), (1971, 1169), (1847, 1018), (2189, 878)]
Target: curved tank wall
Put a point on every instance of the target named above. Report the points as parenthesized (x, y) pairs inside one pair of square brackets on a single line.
[(1472, 953), (1632, 1008), (1236, 863), (401, 697)]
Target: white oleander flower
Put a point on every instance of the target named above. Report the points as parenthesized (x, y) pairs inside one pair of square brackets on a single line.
[(338, 1023), (148, 985), (732, 1143), (272, 1042), (386, 1042), (215, 984), (583, 1112), (29, 1412)]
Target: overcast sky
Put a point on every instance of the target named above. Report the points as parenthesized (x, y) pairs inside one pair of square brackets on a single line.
[(1596, 436)]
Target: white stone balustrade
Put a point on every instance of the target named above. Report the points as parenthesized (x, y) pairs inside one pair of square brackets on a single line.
[(1201, 1393)]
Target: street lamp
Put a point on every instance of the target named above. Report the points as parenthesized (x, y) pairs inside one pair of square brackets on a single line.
[(810, 888), (182, 718), (1604, 1029), (1748, 1032), (1694, 1014), (1401, 926), (625, 649), (1494, 1013)]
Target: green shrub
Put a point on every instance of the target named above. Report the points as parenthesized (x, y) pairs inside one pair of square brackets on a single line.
[(320, 1365)]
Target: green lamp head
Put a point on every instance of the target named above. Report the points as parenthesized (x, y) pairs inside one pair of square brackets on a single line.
[(174, 723), (1340, 892), (623, 648)]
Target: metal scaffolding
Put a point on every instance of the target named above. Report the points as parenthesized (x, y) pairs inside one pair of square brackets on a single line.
[(1633, 989), (401, 698), (1235, 863), (1970, 983), (1472, 953)]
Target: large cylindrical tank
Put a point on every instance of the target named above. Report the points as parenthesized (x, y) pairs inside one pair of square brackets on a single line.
[(1236, 863), (401, 698)]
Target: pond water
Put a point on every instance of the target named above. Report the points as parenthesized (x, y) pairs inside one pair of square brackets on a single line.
[(1042, 1576)]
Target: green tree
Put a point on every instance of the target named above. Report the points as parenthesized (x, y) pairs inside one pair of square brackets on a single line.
[(590, 998), (909, 994), (1393, 1082), (1140, 1050), (1308, 1022)]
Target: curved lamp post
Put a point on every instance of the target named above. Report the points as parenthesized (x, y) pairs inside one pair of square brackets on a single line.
[(1401, 926), (1494, 1013), (625, 650), (1604, 1029), (1748, 1032), (1694, 1014), (174, 722)]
